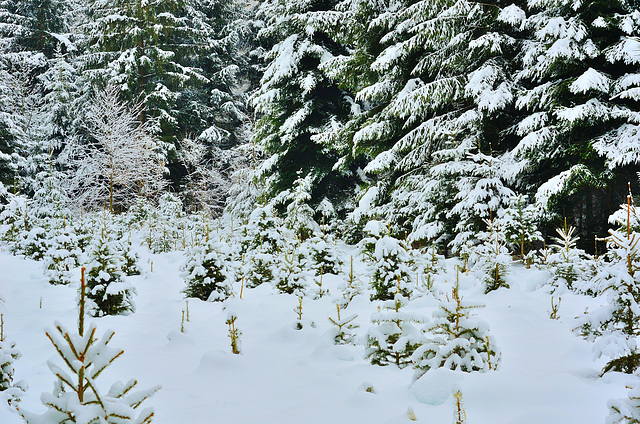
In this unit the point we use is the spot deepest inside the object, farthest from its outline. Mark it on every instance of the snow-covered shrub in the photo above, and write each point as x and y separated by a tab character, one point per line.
389	263
393	337
459	342
109	292
491	258
615	326
207	271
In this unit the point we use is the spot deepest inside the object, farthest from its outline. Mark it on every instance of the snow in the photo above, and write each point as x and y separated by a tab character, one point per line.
285	375
591	80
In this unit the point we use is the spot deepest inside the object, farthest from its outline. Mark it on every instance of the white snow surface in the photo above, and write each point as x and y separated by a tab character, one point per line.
284	375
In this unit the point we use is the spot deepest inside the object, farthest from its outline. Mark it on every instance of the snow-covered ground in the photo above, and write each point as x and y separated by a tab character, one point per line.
284	375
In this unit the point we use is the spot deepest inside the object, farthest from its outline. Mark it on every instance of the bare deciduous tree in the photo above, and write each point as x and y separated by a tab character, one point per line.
118	160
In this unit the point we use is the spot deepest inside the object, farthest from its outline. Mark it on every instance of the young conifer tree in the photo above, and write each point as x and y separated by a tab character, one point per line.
389	262
8	354
460	343
107	289
615	326
567	263
625	411
393	337
491	258
77	398
207	271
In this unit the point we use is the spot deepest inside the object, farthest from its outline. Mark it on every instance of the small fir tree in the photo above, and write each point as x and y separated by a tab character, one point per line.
626	410
325	257
207	271
615	326
491	258
521	228
350	287
460	343
299	214
292	274
129	259
393	337
566	262
8	354
234	333
261	268
62	256
343	326
76	397
109	292
389	263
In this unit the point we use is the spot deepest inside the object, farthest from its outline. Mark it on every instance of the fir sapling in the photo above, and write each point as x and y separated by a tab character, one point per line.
8	354
429	264
129	259
491	258
324	255
389	263
77	397
393	337
626	410
521	228
62	256
299	216
261	267
615	326
109	292
343	326
567	264
458	342
350	286
293	272
208	271
234	333
298	311
459	414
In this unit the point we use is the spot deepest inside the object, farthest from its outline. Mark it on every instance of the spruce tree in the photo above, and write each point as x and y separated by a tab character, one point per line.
297	102
146	49
434	96
576	72
389	263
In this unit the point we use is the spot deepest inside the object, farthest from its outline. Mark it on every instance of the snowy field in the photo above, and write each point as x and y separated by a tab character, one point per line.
284	375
